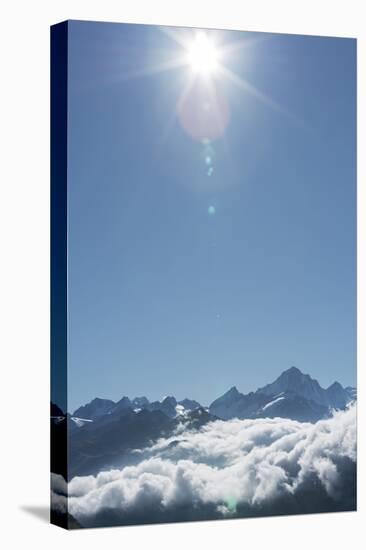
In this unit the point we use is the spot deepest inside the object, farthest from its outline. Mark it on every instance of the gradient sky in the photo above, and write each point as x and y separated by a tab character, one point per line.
186	283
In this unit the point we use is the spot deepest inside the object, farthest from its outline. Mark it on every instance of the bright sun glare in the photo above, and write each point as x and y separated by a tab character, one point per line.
202	56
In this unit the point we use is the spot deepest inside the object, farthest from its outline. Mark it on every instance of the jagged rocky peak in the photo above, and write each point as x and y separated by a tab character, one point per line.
124	400
140	401
335	385
293	375
294	381
189	404
96	407
169	400
232	394
122	405
293	371
293	395
337	395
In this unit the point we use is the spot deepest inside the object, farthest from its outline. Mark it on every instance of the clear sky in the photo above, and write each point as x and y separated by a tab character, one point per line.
197	266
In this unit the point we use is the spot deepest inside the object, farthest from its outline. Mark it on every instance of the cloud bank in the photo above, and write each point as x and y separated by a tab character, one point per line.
235	468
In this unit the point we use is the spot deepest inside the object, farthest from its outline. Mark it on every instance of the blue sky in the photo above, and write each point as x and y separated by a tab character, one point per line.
188	275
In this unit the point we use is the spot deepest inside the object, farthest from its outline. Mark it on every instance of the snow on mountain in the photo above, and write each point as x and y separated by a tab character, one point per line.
140	402
172	408
80	422
180	410
167	405
234	404
189	404
292	395
98	409
351	392
295	382
271	403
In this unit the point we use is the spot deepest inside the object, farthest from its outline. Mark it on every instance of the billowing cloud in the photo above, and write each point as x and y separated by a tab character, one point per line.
227	469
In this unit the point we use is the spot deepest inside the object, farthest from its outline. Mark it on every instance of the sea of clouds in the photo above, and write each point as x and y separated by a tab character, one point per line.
231	468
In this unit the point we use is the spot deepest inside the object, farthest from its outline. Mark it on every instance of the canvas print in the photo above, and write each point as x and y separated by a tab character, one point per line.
203	274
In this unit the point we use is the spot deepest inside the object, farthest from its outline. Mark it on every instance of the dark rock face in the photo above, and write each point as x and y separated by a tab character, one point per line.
94	409
106	444
189	404
103	445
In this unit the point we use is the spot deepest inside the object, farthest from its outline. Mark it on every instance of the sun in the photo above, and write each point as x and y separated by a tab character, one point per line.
202	55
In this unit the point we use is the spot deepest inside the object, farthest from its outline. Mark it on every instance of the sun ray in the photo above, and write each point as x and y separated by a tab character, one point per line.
152	70
180	35
204	53
252	90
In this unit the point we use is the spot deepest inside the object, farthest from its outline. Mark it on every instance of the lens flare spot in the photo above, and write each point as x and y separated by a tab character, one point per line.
211	210
231	504
204	113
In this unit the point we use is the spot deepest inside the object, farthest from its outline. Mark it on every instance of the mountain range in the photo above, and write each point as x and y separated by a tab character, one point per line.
101	407
104	433
292	395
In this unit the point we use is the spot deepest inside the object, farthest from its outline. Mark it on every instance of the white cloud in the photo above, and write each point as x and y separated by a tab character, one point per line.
224	465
